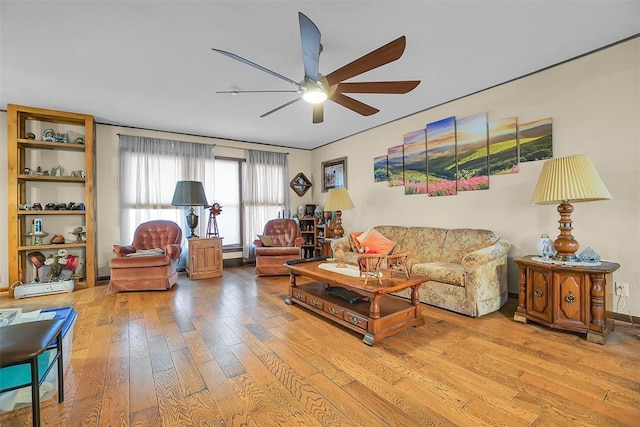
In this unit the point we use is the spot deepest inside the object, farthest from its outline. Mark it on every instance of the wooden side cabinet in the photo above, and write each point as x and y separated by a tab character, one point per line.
570	298
205	258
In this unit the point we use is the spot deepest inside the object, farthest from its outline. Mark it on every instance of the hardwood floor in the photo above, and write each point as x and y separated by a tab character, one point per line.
228	351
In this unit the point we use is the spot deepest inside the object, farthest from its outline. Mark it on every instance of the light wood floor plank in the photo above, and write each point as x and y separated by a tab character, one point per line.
171	402
229	352
141	386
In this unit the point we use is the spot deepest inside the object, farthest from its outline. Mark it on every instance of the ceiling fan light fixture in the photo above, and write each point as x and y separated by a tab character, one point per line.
314	96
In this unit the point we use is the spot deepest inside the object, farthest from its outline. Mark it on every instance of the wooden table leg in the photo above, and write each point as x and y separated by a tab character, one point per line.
598	326
374	311
293	284
521	311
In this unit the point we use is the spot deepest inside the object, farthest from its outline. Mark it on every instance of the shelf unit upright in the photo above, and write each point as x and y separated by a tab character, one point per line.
27	188
308	233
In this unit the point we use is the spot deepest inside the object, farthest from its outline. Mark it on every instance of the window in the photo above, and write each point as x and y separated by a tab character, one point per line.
227	193
149	170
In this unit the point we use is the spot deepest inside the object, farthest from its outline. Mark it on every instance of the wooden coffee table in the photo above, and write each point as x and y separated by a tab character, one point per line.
377	315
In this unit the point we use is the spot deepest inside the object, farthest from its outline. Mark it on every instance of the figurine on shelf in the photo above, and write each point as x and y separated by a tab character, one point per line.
80	235
49	135
57	171
57	239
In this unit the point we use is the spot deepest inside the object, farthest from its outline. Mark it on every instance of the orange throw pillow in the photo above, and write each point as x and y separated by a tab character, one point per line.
354	240
375	242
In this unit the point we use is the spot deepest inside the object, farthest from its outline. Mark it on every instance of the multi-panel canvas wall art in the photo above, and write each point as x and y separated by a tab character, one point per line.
395	165
415	162
472	153
441	157
503	146
535	140
380	172
452	155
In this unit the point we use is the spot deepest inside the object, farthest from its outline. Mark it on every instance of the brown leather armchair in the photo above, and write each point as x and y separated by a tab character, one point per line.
142	266
286	235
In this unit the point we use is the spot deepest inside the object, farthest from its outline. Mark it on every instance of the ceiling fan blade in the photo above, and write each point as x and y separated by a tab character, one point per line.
235	92
353	104
310	37
318	112
280	107
381	56
378	87
253	64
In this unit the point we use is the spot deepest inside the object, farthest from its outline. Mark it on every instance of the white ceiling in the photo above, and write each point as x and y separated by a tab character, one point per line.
149	64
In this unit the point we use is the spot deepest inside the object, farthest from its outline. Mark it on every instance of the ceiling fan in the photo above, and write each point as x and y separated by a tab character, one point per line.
316	88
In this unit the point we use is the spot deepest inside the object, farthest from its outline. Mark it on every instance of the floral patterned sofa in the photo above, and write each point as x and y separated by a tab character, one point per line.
467	267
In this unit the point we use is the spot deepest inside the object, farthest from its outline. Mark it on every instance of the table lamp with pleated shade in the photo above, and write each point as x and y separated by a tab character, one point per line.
566	180
338	200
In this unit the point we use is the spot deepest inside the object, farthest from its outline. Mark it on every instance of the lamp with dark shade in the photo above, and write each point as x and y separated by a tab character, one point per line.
567	180
190	193
338	200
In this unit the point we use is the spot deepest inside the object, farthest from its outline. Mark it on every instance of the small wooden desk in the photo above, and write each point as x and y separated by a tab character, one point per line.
567	297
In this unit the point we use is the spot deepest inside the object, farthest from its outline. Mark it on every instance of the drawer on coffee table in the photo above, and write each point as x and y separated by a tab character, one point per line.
298	295
334	310
315	302
356	319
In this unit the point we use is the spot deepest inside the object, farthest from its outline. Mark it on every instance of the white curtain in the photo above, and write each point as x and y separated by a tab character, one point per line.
149	170
265	192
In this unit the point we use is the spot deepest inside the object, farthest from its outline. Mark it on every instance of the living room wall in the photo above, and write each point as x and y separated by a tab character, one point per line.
594	103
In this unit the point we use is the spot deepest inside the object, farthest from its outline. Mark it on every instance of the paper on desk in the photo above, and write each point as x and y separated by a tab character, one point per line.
15	316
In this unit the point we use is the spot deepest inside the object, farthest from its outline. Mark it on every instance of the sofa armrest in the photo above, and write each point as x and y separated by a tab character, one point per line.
483	256
341	243
123	250
173	251
299	241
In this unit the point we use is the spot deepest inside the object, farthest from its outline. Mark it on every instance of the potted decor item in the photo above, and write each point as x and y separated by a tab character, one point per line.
58	263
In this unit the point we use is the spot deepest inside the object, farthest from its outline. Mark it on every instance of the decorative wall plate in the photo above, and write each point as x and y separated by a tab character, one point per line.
300	184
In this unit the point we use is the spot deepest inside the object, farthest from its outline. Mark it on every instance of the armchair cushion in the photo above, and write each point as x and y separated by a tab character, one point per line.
266	240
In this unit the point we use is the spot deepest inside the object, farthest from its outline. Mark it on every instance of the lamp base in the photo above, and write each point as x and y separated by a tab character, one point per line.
565	245
192	223
338	231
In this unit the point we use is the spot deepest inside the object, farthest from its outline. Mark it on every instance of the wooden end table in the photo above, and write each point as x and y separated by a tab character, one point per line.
568	297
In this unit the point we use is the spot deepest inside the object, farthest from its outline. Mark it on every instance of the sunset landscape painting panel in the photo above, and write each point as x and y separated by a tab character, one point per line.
472	153
535	140
395	164
415	168
416	136
441	157
503	146
380	173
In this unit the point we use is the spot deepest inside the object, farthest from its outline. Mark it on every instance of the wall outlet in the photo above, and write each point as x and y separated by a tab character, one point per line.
622	289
